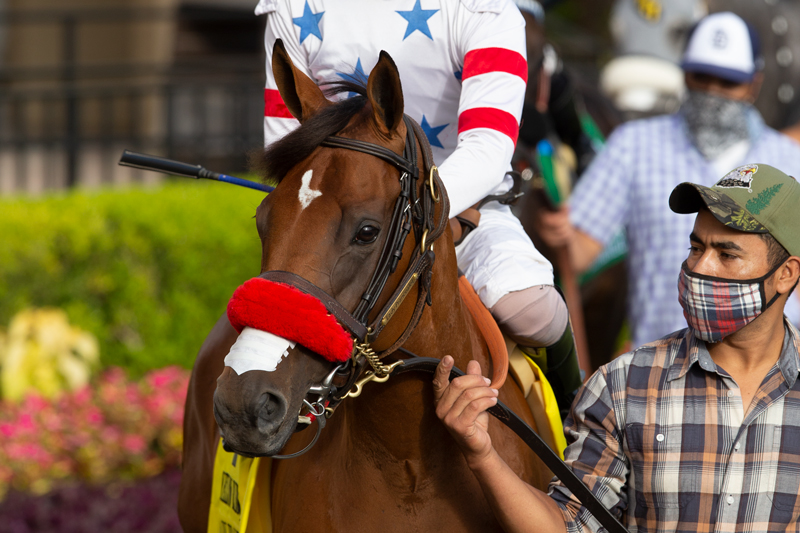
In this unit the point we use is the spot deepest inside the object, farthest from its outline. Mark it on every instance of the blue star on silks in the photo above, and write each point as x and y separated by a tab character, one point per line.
357	76
432	133
458	75
417	20
309	23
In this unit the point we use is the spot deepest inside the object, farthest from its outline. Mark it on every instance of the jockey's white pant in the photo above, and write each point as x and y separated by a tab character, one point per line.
498	257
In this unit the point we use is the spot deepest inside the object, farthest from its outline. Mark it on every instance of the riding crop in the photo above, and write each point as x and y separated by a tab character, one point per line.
177	168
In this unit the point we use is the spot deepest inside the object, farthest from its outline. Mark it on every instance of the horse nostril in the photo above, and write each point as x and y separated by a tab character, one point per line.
221	411
270	412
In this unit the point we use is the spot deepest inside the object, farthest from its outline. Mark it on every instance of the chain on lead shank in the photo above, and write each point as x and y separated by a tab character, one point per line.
363	349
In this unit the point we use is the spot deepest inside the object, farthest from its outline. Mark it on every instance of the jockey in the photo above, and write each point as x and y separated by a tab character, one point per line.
463	69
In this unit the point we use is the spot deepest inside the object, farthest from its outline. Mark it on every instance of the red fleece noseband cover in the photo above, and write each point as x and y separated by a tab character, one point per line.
289	313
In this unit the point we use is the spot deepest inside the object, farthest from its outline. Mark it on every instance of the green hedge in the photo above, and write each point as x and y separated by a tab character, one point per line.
148	271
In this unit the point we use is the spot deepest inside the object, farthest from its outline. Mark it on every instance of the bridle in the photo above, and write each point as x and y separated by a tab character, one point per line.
414	210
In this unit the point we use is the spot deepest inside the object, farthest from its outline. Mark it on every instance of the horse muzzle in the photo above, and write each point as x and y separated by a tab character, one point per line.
252	418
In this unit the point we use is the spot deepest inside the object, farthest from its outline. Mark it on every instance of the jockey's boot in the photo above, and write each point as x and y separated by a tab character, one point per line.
537	320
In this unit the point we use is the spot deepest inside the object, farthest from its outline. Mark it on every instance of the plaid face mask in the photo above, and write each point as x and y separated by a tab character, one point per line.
716	307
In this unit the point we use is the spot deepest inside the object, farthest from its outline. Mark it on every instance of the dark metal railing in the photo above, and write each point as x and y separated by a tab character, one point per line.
69	116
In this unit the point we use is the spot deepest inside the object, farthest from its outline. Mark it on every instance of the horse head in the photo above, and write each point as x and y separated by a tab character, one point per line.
332	226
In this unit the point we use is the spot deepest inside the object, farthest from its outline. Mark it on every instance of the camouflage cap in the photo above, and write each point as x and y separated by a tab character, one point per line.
752	198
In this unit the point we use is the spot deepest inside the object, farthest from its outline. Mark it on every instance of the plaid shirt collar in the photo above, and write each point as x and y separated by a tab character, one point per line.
693	351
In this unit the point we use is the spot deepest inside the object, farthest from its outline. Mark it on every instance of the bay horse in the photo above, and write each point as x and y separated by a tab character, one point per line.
384	462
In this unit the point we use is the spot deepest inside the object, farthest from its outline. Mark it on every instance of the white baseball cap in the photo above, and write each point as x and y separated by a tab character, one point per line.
723	45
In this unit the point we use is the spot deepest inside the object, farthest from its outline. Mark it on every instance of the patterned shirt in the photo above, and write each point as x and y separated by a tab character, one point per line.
660	435
629	184
462	65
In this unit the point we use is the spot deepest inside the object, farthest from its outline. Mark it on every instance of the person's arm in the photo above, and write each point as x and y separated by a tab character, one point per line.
556	230
277	120
491	44
594	431
462	405
600	203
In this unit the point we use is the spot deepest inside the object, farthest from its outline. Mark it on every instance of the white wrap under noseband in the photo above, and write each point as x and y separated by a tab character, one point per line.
257	350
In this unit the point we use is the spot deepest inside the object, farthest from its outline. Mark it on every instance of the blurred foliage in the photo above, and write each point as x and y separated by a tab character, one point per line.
43	353
147	271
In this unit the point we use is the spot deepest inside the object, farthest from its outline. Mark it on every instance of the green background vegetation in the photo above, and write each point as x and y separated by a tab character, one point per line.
147	271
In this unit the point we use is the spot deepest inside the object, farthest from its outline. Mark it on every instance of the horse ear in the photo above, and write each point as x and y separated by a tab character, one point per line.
300	94
385	94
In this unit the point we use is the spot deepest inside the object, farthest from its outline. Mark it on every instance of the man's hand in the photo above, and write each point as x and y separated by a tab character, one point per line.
554	227
461	405
556	230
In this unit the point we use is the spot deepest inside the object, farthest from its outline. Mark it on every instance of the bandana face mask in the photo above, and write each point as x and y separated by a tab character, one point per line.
715	123
716	307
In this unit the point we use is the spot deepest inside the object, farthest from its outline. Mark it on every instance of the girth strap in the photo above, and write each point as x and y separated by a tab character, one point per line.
528	435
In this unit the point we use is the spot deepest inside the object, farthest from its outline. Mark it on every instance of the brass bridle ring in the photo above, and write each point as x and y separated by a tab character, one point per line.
431	185
422	241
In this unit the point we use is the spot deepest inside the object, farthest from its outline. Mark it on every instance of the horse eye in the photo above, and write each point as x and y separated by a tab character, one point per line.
366	235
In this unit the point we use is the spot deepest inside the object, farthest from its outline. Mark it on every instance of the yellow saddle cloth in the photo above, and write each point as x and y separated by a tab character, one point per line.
238	503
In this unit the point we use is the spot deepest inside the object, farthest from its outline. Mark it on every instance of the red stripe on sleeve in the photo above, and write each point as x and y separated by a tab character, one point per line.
485	60
274	106
489	117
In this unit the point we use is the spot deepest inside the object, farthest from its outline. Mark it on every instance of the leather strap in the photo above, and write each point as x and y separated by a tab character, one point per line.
528	435
334	141
422	299
420	265
489	330
335	308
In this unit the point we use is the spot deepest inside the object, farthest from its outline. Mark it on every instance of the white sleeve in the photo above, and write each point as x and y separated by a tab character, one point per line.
491	42
277	119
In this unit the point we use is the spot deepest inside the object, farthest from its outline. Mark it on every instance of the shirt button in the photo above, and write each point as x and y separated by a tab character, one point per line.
730	393
660	437
730	499
736	448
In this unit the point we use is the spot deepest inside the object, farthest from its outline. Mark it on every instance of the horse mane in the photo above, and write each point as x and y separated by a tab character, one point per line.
275	161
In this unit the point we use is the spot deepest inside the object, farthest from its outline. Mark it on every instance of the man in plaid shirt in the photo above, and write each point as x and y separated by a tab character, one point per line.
700	430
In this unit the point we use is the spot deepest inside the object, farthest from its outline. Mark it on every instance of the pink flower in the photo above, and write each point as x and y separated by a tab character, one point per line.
94	416
97	433
82	395
134	443
26	422
35	403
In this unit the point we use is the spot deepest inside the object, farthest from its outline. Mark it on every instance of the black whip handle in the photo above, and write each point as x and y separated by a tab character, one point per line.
162	164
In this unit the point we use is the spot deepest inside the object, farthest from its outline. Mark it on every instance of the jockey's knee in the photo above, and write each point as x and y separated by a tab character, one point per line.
534	317
537	319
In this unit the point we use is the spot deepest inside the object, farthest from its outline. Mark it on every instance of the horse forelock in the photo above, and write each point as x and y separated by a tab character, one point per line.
283	155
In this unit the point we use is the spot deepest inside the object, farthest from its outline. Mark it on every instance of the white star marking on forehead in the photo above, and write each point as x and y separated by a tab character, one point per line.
306	194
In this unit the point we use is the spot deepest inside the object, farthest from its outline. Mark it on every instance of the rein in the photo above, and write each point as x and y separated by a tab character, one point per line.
516	424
